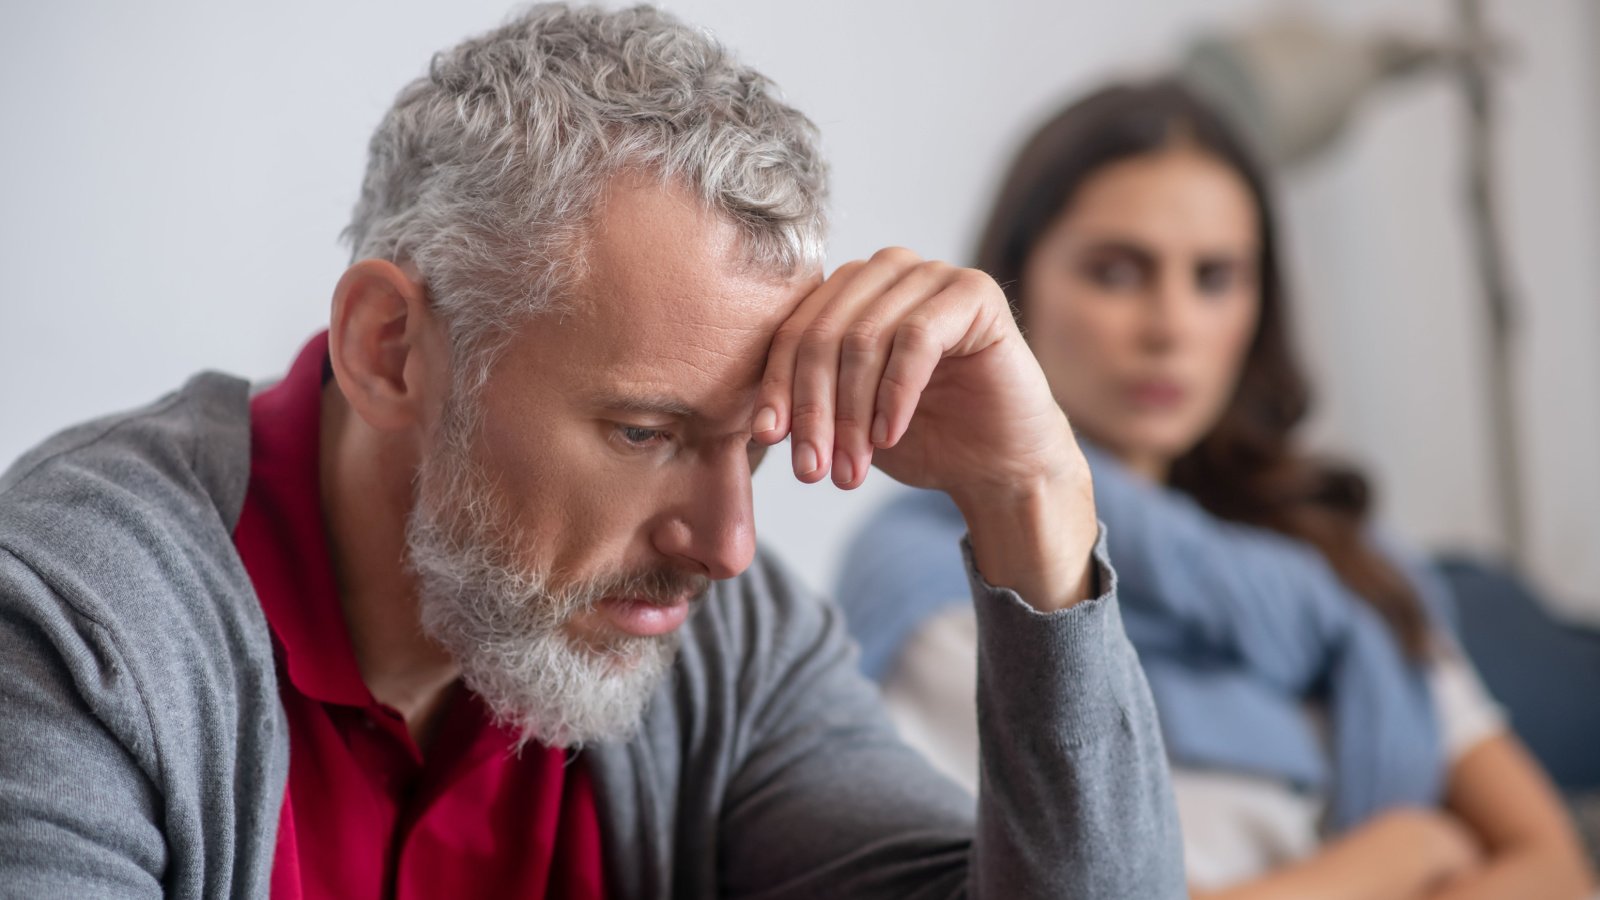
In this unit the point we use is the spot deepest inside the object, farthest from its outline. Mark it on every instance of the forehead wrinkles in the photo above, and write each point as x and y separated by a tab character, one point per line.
712	371
668	304
700	349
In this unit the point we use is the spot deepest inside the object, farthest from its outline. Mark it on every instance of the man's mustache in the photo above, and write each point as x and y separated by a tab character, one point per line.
657	586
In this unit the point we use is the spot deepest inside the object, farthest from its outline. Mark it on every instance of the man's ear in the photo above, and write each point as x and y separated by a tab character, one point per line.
385	345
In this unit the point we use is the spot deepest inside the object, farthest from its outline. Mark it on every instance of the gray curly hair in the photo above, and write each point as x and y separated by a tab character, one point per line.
485	173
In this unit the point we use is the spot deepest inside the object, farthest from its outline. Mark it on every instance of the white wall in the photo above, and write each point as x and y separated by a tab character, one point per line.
173	176
1390	308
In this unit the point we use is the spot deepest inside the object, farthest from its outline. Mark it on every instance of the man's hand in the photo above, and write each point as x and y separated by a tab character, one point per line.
918	367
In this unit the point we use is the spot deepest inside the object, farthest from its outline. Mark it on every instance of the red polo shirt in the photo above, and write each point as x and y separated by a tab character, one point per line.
366	815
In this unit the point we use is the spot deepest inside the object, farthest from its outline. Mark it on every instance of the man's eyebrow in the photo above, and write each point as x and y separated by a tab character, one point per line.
645	404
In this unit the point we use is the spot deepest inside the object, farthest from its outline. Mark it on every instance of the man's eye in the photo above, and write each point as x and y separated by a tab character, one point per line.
635	436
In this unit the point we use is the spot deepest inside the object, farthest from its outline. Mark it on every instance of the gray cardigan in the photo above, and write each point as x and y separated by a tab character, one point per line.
143	750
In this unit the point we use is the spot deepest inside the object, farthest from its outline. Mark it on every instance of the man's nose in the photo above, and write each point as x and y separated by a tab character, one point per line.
711	530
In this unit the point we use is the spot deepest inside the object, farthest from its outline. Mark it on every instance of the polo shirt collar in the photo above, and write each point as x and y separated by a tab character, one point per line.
283	540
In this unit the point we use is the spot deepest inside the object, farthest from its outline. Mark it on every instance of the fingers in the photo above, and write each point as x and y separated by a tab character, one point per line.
844	374
774	401
801	386
865	353
923	339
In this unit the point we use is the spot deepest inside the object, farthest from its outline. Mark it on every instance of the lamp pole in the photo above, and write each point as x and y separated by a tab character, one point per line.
1498	297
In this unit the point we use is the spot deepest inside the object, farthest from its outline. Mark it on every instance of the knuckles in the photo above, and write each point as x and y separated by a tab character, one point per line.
978	281
915	334
830	334
808	416
863	338
896	256
818	335
787	336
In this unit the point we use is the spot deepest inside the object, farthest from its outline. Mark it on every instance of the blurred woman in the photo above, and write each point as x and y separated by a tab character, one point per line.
1327	737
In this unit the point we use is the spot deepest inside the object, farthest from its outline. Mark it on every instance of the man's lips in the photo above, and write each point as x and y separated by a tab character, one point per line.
644	618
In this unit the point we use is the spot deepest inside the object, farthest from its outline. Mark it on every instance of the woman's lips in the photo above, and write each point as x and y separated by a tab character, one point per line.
644	618
1156	394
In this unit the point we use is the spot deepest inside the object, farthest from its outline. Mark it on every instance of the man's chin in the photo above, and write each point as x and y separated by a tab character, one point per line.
609	664
619	651
587	693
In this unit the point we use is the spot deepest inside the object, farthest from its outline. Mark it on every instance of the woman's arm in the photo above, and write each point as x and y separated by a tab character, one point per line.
1400	855
1509	803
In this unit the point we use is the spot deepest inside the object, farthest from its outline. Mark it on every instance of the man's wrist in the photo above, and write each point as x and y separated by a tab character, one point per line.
1035	538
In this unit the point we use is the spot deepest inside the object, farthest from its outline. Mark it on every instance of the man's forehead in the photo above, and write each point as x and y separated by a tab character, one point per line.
668	304
680	311
656	249
692	360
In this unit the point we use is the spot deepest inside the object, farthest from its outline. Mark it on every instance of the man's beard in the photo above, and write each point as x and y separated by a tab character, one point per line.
506	625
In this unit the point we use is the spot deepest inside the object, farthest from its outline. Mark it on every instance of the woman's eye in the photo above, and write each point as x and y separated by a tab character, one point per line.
1115	274
1216	278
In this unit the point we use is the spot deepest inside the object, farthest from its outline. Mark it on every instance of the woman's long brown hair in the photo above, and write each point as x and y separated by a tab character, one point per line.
1247	468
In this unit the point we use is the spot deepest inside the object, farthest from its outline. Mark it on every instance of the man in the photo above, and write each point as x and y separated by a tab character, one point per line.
469	604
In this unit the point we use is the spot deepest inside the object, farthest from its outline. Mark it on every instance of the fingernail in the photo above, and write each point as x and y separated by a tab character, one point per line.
766	420
880	428
842	473
805	459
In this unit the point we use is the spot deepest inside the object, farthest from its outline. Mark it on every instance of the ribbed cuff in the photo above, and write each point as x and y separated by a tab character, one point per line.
1052	671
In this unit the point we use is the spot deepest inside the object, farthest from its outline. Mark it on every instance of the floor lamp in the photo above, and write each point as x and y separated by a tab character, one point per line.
1295	82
